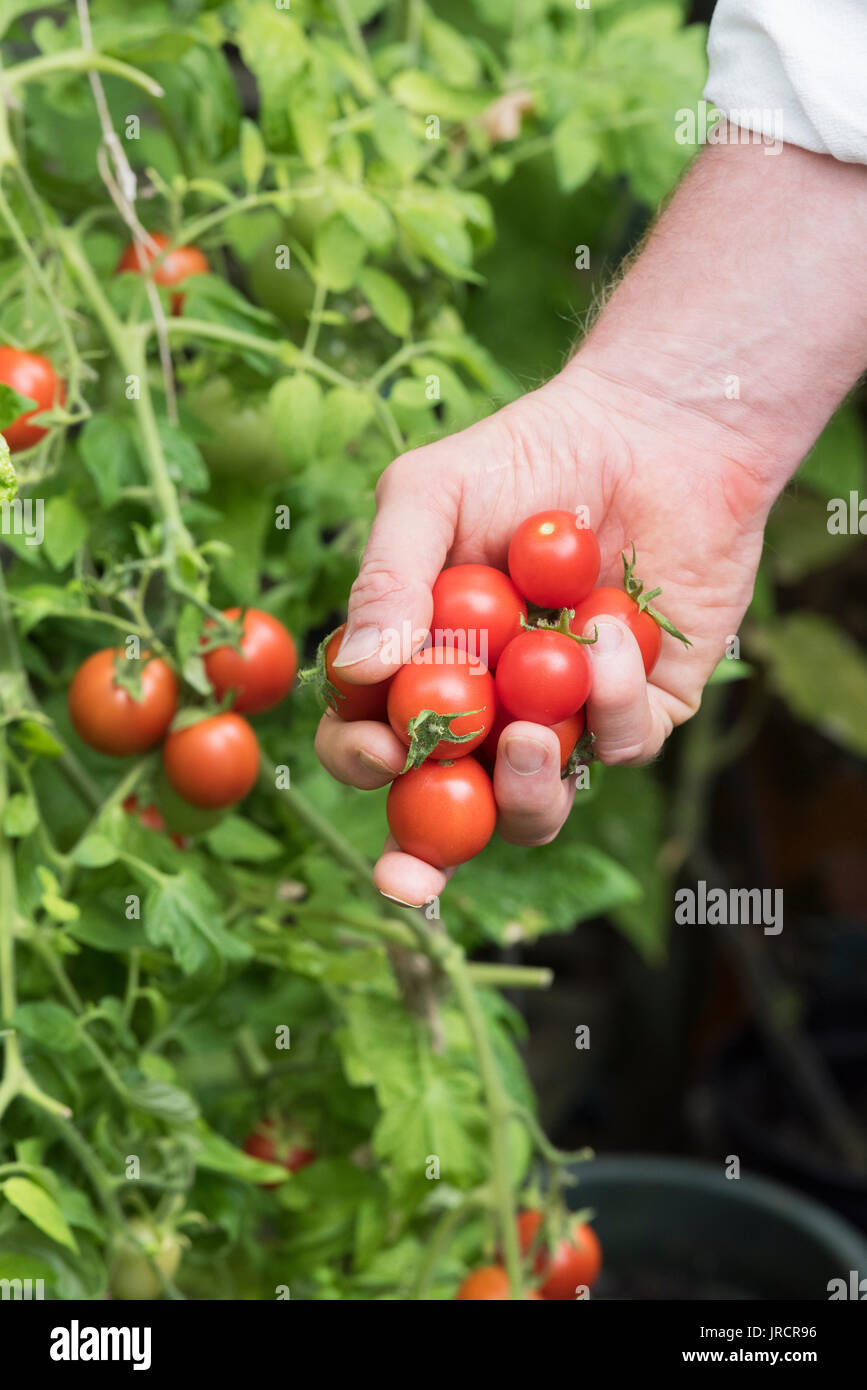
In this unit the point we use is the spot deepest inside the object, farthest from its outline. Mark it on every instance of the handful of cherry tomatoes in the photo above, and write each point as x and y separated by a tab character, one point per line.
485	665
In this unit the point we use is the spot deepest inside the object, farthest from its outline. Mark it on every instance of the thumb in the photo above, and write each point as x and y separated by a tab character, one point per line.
390	604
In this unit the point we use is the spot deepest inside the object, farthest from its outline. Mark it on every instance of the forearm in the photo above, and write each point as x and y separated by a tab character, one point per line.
747	306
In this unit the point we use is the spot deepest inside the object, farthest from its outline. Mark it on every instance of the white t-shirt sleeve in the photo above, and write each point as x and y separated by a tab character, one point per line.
794	70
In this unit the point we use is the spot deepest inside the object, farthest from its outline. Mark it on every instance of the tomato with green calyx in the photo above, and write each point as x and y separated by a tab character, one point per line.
554	559
32	376
441	704
488	1284
443	813
122	706
262	672
275	1143
348	699
568	732
177	265
476	607
633	607
575	1263
212	763
544	676
144	1252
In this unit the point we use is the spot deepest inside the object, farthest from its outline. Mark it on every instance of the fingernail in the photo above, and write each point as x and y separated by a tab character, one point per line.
403	902
525	755
610	637
376	764
358	646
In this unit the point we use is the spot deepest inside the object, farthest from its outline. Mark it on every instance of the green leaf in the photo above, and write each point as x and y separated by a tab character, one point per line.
40	1208
346	413
52	1025
395	140
183	460
295	408
21	815
95	852
434	228
426	95
162	1100
252	154
36	738
450	52
219	1156
183	914
65	531
520	893
339	252
239	840
820	673
576	153
388	300
108	449
370	218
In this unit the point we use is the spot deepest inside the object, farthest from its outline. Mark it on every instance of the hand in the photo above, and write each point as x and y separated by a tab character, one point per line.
648	472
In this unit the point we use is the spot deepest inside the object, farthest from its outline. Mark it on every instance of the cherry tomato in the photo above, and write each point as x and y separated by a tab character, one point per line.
543	676
488	1284
554	560
478	608
143	1250
568	732
616	603
263	670
33	376
353	702
268	1144
108	718
576	1261
443	813
178	265
445	681
213	763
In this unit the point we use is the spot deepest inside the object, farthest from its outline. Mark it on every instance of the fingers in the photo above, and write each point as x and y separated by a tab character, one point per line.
532	798
406	879
363	754
630	726
390	603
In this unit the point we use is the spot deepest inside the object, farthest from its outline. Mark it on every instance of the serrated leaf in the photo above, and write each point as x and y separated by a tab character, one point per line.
238	841
94	852
370	217
576	153
339	252
161	1099
51	1025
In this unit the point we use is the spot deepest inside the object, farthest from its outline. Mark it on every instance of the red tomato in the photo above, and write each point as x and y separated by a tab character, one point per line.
576	1261
488	1284
33	376
266	1143
108	718
443	813
477	608
445	681
353	702
616	603
568	732
544	676
178	265
213	763
264	669
554	560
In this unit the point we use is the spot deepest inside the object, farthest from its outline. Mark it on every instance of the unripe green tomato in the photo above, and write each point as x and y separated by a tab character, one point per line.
132	1275
242	433
286	292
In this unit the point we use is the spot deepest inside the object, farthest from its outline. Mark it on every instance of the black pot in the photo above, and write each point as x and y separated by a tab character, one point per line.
759	1118
674	1228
